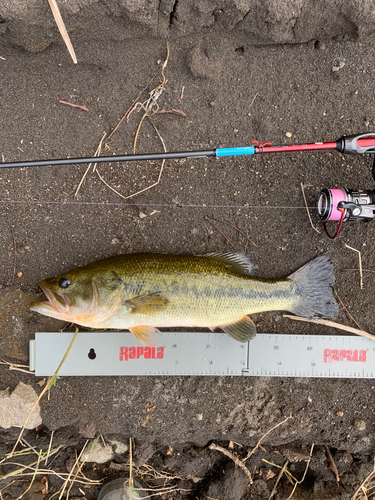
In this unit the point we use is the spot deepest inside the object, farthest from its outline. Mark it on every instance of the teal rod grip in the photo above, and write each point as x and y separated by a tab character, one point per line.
250	150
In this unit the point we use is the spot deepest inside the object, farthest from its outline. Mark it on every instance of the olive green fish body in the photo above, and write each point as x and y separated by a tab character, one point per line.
142	292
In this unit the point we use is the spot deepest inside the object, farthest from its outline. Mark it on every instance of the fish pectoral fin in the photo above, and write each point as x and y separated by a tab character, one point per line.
147	304
145	334
243	330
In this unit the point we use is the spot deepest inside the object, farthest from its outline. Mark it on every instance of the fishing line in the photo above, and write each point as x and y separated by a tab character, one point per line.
159	205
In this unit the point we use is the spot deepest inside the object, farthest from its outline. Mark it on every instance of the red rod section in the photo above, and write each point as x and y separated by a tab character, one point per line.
370	141
296	147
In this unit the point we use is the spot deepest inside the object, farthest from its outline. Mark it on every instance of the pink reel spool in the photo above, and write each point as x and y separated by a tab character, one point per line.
337	196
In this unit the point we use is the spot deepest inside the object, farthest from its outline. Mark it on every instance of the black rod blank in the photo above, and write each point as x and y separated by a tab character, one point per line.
108	159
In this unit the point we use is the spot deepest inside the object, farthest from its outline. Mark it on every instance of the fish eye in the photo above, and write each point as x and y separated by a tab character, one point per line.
64	282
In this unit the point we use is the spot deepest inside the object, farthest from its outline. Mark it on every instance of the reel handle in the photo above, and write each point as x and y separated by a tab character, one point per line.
349	144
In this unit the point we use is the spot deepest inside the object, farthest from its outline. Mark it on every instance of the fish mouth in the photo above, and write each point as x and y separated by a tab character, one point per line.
57	304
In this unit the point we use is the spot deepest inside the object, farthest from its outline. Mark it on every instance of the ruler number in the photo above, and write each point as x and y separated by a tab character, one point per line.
309	348
275	347
313	364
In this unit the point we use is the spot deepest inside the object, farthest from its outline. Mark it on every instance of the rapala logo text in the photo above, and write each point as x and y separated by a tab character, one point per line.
127	353
331	355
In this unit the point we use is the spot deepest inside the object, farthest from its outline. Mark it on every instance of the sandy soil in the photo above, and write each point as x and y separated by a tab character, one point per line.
231	94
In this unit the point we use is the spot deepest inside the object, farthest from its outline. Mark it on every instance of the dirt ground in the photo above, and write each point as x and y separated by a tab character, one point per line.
231	93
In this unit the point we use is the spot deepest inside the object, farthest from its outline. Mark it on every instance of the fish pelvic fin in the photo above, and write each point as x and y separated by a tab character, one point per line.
145	334
238	261
242	331
147	304
314	288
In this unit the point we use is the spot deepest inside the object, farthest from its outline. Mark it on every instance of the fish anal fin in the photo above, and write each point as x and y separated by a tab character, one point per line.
147	304
145	334
238	261
242	331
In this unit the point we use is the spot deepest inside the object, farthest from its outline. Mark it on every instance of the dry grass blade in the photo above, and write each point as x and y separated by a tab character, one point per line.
264	436
332	324
50	381
60	24
331	463
361	488
346	310
307	209
233	457
360	261
131	107
78	469
173	111
97	153
14	366
33	478
142	190
283	469
49	449
131	468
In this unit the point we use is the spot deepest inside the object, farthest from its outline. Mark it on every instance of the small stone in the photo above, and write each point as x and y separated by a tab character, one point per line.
19	274
99	454
200	416
289	134
119	446
142	215
339	413
340	65
15	407
366	123
208	53
359	425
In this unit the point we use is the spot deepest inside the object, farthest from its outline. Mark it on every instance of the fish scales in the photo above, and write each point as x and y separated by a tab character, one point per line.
142	292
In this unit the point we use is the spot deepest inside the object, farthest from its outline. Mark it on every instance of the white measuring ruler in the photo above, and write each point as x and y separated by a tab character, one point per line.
201	353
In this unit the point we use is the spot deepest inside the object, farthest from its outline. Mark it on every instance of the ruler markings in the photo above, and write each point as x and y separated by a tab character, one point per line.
187	353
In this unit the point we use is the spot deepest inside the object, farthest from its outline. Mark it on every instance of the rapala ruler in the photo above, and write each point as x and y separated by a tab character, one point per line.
197	353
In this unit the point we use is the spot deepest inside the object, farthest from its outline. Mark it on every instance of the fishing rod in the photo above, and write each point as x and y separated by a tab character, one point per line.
354	144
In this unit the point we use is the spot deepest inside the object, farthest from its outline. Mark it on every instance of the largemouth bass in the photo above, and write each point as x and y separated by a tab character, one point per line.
141	292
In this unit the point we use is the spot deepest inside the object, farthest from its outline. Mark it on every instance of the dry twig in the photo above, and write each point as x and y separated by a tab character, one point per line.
332	324
73	105
234	227
221	232
233	457
15	255
360	261
60	24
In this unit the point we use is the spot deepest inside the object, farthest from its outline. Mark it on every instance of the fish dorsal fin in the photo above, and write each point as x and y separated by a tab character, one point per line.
145	334
243	330
147	304
238	261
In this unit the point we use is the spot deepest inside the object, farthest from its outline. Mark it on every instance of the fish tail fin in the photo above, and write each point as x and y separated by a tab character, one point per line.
314	287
